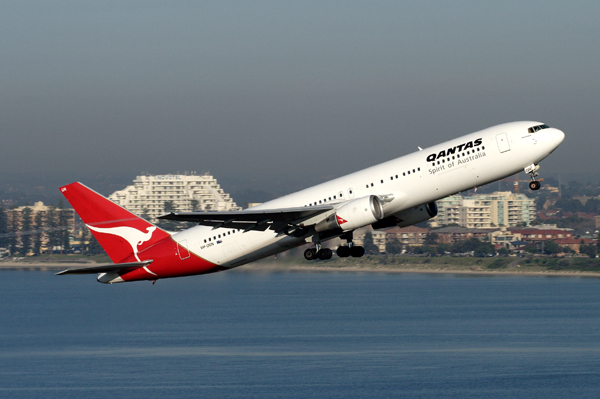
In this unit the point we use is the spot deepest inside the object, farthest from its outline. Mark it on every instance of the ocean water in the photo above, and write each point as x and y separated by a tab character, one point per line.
300	335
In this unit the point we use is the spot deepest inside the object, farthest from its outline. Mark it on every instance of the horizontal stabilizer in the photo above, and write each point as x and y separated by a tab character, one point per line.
115	267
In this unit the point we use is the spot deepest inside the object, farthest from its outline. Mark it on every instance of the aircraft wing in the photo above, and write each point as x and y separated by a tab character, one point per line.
260	219
115	267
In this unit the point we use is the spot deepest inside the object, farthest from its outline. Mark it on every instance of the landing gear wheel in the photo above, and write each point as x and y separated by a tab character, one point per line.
357	252
343	251
534	185
324	254
310	254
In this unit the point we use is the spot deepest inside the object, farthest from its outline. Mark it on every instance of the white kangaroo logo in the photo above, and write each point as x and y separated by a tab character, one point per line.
133	236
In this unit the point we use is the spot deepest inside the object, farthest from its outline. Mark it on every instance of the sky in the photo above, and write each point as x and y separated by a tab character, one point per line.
277	96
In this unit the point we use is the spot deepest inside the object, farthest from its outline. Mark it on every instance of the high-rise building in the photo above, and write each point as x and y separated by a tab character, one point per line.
501	208
154	195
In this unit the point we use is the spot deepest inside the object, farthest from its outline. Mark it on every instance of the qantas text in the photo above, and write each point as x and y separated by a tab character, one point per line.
453	150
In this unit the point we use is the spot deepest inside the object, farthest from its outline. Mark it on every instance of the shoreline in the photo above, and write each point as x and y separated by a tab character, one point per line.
276	267
407	269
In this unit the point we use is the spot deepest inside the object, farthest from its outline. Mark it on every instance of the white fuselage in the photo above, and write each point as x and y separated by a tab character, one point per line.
411	180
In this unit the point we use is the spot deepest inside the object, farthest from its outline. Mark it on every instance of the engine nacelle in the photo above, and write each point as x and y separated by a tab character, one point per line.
353	215
409	217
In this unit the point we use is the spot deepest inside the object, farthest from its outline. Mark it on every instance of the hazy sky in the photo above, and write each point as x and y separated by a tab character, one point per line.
285	92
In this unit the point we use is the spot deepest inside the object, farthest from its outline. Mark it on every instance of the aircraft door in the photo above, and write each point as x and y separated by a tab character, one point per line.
182	250
502	141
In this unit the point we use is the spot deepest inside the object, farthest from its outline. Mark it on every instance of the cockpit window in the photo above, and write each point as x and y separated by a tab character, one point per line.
537	128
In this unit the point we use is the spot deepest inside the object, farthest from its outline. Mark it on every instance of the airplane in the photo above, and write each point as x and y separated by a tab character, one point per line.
400	192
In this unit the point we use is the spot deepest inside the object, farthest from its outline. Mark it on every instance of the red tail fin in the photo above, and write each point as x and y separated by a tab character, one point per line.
120	232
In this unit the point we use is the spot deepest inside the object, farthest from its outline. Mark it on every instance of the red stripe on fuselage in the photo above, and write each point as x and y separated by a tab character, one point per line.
167	263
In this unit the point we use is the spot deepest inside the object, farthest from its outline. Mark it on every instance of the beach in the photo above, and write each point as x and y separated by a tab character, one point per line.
370	264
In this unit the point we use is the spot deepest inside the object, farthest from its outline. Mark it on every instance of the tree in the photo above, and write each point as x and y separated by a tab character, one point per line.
51	221
64	235
589	250
592	206
3	228
569	205
551	247
442	249
429	250
431	239
37	237
567	250
95	248
465	246
369	245
145	214
532	249
25	230
393	246
83	237
484	249
13	231
168	207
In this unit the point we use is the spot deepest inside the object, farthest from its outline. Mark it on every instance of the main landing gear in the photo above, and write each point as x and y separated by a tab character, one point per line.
355	251
313	254
349	249
343	251
318	253
532	169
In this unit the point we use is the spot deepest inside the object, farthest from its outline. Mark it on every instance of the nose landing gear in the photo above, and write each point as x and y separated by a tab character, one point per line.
534	185
531	170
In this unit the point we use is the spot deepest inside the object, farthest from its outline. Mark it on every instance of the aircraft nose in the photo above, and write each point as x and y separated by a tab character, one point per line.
558	136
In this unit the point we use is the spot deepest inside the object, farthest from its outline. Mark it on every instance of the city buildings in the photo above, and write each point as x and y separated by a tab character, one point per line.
153	195
34	229
501	208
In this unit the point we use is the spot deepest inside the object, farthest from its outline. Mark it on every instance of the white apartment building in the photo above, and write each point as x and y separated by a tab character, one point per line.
501	208
188	193
449	210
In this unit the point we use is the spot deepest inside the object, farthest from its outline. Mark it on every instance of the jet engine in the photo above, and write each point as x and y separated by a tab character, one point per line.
354	214
409	217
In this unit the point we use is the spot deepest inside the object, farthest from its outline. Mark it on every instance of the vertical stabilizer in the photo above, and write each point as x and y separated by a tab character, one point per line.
120	232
